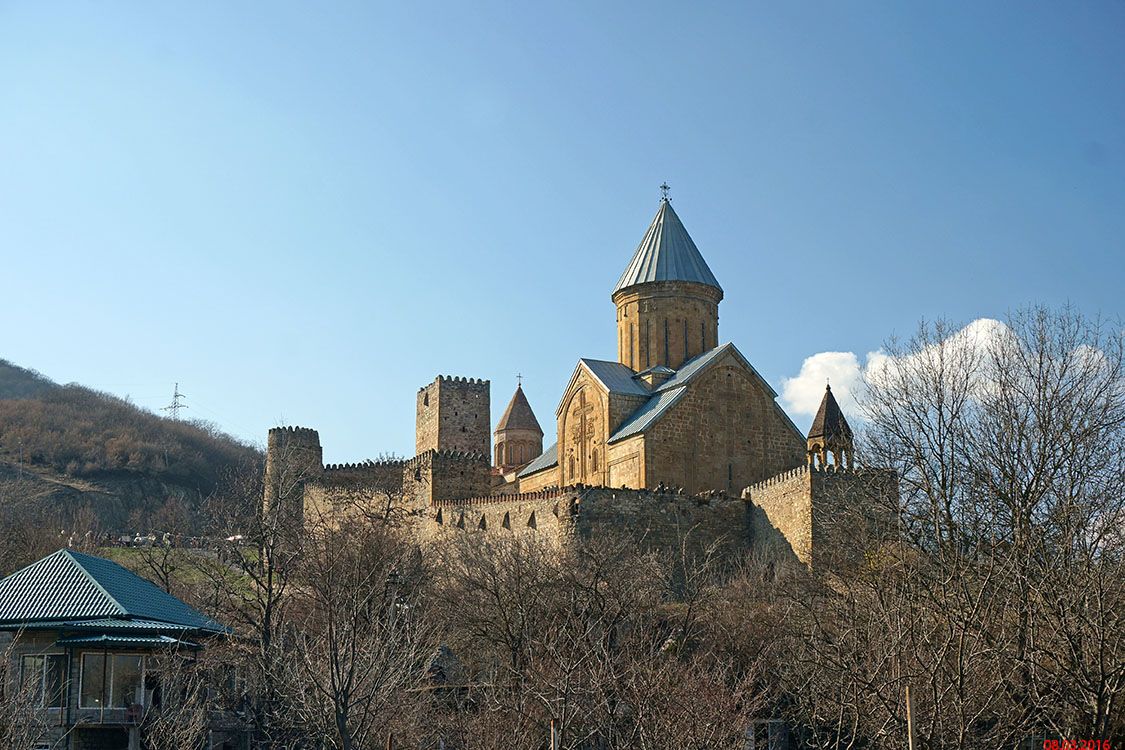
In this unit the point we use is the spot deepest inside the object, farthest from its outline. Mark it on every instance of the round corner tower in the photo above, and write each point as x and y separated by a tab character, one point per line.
293	458
667	300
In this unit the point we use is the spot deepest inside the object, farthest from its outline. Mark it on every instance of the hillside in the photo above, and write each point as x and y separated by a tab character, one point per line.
65	447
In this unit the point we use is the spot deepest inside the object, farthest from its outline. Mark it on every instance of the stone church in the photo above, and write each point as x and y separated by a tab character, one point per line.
680	429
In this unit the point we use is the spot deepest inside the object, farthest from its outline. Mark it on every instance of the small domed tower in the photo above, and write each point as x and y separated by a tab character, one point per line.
519	438
830	435
667	300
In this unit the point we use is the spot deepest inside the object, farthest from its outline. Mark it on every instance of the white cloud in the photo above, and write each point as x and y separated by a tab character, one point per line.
803	393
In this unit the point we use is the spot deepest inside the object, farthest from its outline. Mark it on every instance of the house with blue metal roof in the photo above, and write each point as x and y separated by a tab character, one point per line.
84	632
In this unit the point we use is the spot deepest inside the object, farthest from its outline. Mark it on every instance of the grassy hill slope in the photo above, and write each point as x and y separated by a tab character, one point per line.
63	447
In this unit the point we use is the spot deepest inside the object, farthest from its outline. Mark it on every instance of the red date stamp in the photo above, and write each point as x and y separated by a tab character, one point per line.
1076	745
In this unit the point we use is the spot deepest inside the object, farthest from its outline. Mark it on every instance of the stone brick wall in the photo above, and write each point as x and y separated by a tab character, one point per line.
725	433
666	323
343	489
445	475
826	518
656	520
546	515
785	524
540	480
852	510
452	414
627	462
293	459
583	430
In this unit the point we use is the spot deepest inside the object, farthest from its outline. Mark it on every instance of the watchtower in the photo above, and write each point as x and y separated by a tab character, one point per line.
453	415
293	458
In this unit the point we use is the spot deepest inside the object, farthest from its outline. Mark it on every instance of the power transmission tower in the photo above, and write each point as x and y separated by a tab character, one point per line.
177	403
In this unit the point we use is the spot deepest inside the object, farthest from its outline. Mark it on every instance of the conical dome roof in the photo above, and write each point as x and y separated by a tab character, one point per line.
667	253
518	415
829	422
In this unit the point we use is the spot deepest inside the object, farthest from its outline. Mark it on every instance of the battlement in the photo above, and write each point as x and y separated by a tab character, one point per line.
785	476
521	497
397	463
431	455
290	435
456	379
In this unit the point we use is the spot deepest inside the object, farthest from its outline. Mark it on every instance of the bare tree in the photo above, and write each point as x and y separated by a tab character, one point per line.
22	723
1001	604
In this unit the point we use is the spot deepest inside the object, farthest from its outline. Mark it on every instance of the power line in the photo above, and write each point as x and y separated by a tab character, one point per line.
177	403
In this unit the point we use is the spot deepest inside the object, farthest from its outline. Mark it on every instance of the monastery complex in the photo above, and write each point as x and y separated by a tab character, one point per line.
679	434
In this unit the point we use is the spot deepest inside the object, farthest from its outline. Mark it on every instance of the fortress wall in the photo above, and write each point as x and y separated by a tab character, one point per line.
851	511
656	520
786	517
664	520
545	515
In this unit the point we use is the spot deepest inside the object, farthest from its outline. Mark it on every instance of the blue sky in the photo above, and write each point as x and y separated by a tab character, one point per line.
304	212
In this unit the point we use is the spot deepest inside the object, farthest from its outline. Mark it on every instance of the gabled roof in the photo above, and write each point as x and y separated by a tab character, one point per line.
518	415
546	460
829	422
668	393
653	409
614	377
666	253
68	587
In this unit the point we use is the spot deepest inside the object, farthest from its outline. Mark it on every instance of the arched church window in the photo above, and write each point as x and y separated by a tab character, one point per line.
572	465
593	461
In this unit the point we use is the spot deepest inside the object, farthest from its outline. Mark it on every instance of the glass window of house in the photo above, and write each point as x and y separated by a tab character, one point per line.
93	681
44	676
127	680
54	680
31	677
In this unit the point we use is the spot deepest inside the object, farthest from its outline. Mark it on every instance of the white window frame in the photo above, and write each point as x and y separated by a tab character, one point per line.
107	696
43	677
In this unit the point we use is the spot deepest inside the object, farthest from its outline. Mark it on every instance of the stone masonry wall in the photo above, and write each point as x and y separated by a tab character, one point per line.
666	323
852	510
725	433
656	520
785	521
452	414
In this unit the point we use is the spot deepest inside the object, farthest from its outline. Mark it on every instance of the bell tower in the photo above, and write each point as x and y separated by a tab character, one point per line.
830	436
667	300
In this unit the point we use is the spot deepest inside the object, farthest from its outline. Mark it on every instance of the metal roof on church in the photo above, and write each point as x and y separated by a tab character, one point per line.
667	253
644	417
616	377
546	460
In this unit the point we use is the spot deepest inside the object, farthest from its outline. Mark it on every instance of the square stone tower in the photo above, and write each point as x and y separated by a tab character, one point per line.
453	415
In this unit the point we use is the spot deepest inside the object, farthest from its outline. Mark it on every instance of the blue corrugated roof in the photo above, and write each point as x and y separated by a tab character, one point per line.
667	253
653	410
546	460
670	391
616	377
72	586
698	364
123	641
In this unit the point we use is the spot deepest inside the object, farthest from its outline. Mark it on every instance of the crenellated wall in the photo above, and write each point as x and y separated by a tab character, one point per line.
826	517
452	414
